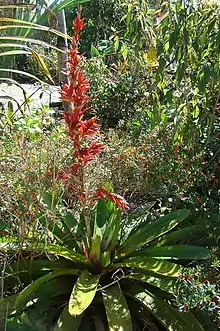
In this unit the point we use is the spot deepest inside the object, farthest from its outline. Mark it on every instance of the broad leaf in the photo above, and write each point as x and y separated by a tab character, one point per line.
67	322
49	248
150	264
116	308
164	283
180	252
169	317
111	233
28	293
98	230
179	235
83	293
145	235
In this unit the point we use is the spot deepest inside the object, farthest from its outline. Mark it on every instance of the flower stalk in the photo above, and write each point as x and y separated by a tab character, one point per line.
80	131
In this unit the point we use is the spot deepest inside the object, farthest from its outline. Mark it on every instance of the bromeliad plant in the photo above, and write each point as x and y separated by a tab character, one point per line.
96	274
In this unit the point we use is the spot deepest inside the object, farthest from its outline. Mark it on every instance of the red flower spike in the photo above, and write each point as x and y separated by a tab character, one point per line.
76	94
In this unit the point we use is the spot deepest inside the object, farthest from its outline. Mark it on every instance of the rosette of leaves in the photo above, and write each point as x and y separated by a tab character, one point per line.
122	279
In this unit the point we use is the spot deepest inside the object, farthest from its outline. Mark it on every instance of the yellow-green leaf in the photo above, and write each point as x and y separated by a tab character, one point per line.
116	308
83	293
42	65
148	263
152	57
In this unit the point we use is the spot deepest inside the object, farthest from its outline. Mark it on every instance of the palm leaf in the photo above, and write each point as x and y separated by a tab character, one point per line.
43	65
83	293
116	308
22	73
15	52
29	40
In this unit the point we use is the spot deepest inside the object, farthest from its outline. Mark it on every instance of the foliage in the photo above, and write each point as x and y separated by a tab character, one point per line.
27	19
184	88
194	291
117	92
89	268
109	261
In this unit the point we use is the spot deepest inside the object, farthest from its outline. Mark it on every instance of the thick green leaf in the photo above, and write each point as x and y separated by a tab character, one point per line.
31	266
69	3
111	233
179	235
145	235
27	294
164	283
168	316
116	308
101	213
67	322
98	231
176	252
49	248
83	293
150	264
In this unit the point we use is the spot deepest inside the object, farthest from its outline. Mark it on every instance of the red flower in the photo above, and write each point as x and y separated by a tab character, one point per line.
115	198
78	25
87	154
87	127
